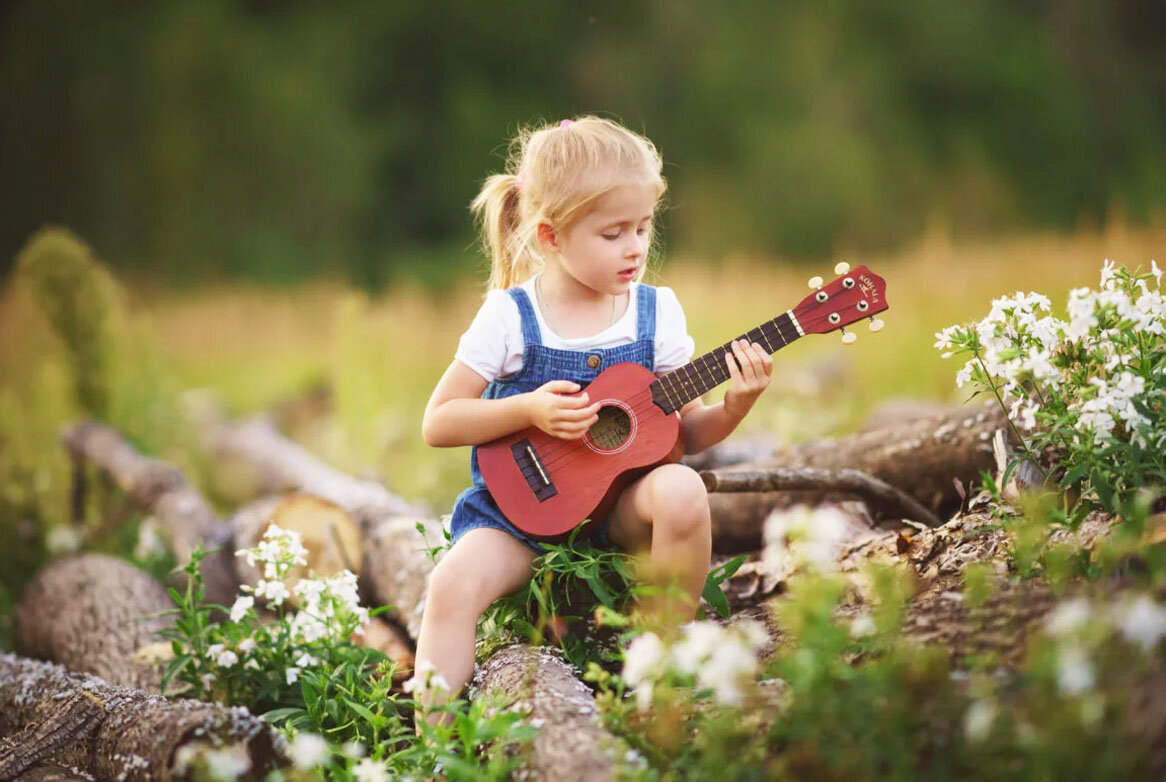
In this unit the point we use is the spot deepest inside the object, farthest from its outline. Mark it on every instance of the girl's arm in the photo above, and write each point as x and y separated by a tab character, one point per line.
706	425
456	415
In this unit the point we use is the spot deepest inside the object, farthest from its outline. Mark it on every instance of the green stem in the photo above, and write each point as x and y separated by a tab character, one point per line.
1004	407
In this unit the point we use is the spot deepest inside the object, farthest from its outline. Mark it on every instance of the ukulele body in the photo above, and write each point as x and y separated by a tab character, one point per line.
546	485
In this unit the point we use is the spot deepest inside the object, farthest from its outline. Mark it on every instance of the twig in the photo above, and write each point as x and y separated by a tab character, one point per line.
878	493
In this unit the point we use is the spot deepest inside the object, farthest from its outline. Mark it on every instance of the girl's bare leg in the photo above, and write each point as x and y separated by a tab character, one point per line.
665	516
483	565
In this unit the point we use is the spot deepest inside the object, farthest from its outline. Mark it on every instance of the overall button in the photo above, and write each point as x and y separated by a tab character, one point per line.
593	361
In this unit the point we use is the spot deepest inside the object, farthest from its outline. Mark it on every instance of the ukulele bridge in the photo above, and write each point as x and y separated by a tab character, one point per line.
533	470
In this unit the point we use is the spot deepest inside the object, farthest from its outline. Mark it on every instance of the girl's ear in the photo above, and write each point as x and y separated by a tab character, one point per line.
547	237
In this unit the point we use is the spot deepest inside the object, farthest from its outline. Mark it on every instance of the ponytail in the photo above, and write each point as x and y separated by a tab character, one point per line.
497	213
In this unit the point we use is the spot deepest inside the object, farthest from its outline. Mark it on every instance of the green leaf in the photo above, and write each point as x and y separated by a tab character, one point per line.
276	716
716	598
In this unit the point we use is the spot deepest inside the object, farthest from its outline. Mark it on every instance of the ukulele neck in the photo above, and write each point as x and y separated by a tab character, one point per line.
704	373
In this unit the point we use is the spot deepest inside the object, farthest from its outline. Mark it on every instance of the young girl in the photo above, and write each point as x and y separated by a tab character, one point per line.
568	231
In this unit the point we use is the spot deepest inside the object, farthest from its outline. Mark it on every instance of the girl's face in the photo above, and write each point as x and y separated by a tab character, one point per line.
606	248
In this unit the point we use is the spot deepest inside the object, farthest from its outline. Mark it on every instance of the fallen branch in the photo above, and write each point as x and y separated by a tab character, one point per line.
160	488
879	495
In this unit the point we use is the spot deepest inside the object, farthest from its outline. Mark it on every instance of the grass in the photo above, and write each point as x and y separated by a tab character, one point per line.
256	348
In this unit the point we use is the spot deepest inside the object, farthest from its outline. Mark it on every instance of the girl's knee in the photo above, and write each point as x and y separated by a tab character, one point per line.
453	591
679	498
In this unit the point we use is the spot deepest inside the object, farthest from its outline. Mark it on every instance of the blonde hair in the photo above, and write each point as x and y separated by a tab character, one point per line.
554	173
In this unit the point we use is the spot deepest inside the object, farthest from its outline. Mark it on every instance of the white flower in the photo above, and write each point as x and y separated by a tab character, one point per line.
1107	274
369	770
642	658
227	658
275	592
1143	622
308	750
1156	272
242	605
150	543
62	539
731	664
246	645
353	749
292	675
1068	617
862	626
801	535
425	679
1028	416
228	762
1074	671
700	640
306	660
978	720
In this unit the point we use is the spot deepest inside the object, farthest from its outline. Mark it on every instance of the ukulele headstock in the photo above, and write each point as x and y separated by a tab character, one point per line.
856	294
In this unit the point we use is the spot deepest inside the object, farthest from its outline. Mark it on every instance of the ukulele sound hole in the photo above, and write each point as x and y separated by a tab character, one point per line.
612	429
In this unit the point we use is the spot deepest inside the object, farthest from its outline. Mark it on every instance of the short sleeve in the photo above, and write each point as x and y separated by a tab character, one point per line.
486	344
674	347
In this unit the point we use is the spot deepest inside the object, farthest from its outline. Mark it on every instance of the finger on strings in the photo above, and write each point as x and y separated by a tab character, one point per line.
734	372
746	364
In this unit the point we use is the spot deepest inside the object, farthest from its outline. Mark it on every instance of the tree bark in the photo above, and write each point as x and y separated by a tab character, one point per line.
571	744
160	488
131	735
921	458
92	613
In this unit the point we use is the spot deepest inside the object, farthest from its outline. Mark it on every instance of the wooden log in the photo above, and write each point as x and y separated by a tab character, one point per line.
159	487
921	458
134	735
282	465
93	613
328	532
571	744
52	772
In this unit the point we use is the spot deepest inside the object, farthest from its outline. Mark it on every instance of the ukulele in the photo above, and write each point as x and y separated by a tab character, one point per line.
546	485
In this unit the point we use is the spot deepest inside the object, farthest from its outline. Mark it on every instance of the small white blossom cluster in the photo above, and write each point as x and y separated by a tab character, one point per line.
328	611
1088	369
1140	621
803	536
425	679
720	658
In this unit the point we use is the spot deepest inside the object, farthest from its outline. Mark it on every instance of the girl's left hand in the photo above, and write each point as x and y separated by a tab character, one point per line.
749	379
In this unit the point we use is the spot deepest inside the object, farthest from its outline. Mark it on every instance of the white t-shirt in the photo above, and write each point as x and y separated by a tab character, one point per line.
492	345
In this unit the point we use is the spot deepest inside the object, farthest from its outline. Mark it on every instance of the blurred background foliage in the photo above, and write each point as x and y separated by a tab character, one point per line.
276	141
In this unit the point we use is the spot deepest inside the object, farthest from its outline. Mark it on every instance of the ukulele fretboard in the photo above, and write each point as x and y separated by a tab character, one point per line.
707	371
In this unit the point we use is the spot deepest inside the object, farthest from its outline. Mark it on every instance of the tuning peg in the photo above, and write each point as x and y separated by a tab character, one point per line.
876	324
815	283
848	337
841	267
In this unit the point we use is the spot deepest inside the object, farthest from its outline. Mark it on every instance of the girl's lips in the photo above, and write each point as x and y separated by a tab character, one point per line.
628	273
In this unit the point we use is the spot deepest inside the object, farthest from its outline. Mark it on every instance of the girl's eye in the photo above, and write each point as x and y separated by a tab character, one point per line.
610	236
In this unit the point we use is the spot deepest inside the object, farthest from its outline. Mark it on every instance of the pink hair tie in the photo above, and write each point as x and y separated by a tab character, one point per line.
517	183
564	123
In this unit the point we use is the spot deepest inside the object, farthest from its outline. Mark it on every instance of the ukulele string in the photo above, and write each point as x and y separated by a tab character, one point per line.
570	448
563	454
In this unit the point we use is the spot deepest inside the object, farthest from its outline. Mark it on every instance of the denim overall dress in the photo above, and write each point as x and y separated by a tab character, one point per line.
475	507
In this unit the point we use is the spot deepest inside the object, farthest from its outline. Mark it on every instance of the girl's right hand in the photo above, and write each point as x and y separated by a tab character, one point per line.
559	415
